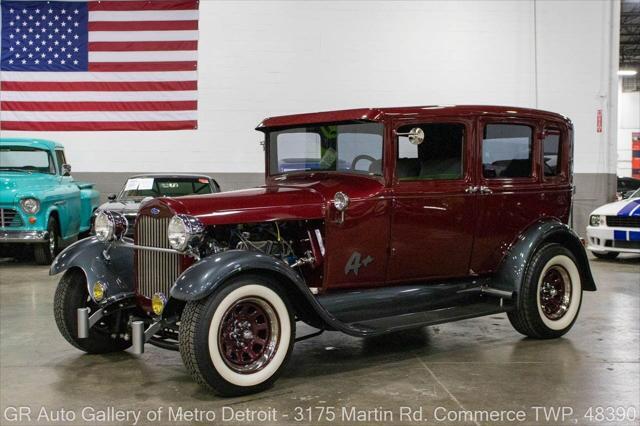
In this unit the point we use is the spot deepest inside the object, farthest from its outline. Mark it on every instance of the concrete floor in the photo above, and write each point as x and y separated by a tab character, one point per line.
479	364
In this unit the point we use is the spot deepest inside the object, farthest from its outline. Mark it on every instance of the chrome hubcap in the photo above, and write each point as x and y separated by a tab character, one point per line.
52	242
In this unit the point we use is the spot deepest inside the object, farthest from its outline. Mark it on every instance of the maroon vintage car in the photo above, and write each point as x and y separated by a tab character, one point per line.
370	221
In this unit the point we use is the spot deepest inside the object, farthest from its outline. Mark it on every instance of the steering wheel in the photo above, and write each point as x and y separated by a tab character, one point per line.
362	157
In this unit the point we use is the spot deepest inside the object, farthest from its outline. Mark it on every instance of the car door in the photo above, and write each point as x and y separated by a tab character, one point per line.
434	206
510	193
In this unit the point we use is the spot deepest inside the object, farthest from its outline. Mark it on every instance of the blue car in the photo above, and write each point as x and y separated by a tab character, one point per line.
41	206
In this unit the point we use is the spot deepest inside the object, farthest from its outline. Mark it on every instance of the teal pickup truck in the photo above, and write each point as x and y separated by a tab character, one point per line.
41	205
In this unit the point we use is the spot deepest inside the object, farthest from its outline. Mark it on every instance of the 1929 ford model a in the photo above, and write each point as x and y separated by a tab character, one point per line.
371	221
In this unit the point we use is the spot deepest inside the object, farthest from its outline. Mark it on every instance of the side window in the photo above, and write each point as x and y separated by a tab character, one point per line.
438	157
506	151
551	152
60	159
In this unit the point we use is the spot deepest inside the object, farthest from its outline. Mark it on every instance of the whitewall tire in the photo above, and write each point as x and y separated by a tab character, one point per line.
558	311
551	294
238	340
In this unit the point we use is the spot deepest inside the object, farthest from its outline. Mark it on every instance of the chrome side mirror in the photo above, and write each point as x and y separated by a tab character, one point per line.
415	135
66	170
341	202
112	197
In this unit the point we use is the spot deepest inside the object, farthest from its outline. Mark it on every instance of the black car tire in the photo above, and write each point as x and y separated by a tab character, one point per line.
608	255
206	327
44	253
551	295
71	294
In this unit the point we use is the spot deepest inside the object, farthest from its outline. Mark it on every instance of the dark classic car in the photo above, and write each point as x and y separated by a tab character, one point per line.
391	219
140	188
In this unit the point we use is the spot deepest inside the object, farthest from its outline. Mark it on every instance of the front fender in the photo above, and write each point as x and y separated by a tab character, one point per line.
209	274
510	275
116	273
204	277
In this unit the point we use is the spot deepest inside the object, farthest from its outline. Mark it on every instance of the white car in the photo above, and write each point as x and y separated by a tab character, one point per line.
615	228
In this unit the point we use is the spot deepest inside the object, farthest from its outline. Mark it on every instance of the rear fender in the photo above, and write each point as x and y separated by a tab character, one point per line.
115	272
511	273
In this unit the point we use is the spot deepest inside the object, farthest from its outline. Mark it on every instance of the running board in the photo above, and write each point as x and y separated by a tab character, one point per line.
422	319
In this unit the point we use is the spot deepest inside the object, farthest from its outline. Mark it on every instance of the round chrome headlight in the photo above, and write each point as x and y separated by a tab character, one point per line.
110	226
341	201
30	205
184	231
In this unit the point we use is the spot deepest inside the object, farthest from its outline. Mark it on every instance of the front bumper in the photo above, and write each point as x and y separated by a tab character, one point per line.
10	236
602	239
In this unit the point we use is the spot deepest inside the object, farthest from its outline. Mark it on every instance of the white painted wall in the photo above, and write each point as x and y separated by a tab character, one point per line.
261	58
628	122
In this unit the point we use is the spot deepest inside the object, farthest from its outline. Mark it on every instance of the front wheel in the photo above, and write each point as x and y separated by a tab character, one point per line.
238	340
44	253
551	294
72	294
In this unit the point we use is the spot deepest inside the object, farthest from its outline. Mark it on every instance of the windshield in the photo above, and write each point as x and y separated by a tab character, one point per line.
142	187
636	194
350	148
26	159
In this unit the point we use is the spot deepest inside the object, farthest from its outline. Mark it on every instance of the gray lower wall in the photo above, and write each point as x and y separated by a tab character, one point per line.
592	189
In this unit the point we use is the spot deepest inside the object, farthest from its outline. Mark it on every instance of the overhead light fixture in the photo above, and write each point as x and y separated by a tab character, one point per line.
627	73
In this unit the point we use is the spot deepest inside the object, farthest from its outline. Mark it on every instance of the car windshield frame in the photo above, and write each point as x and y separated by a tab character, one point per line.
122	195
274	164
635	194
51	164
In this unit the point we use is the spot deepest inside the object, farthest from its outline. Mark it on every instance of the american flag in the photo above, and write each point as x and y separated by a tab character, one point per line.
99	65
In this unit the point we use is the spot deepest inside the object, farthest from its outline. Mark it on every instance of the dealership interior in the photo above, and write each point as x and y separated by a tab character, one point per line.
252	60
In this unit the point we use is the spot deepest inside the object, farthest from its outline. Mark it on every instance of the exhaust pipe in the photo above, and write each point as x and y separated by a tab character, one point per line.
83	323
137	337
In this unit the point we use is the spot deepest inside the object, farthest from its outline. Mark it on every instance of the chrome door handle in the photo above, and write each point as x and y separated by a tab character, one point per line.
486	190
471	189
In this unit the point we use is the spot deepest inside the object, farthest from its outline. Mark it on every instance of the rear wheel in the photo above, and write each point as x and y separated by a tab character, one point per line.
608	255
44	253
72	294
238	340
551	294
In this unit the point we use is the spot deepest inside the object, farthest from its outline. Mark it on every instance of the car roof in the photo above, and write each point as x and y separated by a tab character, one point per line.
379	114
32	142
170	175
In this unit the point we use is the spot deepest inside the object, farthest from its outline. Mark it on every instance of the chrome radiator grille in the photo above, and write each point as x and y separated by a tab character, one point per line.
9	218
157	271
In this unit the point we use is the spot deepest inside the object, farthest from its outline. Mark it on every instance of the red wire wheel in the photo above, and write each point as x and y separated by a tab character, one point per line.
555	292
249	335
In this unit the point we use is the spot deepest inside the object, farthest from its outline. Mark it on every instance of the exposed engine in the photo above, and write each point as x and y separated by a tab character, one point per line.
296	243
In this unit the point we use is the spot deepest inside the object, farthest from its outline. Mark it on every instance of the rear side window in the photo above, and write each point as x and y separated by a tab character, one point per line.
551	152
506	151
